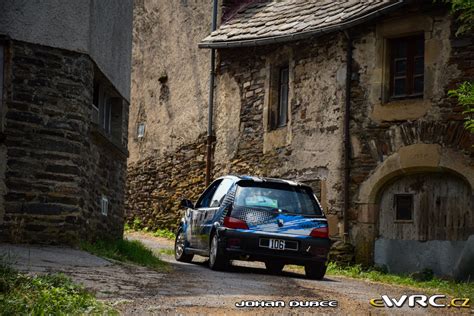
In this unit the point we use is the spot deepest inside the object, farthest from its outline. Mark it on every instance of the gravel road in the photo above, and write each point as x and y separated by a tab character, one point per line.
195	289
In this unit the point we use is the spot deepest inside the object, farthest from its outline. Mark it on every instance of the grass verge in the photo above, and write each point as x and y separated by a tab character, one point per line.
169	252
52	294
163	233
131	251
435	285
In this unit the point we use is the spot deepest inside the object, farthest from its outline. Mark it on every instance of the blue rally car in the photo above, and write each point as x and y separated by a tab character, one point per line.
259	219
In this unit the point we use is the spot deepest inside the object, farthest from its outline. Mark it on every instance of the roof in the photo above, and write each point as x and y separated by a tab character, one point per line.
237	178
289	20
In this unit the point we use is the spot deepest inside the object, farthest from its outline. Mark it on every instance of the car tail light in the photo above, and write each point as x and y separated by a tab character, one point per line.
231	222
320	232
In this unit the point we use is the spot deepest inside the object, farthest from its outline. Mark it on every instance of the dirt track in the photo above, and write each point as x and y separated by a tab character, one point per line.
192	289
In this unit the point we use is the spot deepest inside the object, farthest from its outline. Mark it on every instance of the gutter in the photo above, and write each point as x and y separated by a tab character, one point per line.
303	35
347	136
212	75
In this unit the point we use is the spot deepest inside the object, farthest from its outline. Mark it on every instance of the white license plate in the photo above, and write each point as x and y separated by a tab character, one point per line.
277	244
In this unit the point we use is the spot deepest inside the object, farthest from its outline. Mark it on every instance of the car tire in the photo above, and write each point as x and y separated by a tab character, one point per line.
315	271
217	260
180	248
274	267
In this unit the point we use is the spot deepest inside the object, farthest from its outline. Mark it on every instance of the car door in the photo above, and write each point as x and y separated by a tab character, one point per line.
197	215
209	212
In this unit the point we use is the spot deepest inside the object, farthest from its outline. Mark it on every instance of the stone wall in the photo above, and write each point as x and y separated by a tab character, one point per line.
309	148
56	168
100	28
155	187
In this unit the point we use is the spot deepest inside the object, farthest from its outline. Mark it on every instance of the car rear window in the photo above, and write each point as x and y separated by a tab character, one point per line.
279	196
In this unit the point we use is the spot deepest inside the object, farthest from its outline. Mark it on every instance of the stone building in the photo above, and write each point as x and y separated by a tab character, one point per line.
350	97
65	92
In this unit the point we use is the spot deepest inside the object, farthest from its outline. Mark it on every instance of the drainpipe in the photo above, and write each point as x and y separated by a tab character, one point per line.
347	139
210	137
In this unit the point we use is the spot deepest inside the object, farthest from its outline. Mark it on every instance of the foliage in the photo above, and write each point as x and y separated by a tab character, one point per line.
457	289
465	11
132	251
52	294
465	95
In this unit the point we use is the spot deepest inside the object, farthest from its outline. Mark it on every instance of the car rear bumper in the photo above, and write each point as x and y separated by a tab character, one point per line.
238	244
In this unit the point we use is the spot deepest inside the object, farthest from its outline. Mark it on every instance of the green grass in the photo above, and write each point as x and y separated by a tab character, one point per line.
136	226
434	285
169	252
131	251
52	294
164	233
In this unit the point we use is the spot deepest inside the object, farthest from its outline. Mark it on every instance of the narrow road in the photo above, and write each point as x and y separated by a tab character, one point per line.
195	289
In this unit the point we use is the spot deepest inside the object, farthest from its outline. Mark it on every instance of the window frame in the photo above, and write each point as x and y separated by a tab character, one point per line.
283	96
411	42
412	205
141	130
107	109
280	96
104	205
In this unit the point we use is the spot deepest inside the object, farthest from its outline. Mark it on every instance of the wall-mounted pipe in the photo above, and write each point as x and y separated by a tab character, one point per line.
347	136
210	137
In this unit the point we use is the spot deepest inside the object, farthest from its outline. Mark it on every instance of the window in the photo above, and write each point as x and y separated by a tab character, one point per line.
404	207
221	192
407	67
286	198
279	110
141	130
104	205
205	199
107	108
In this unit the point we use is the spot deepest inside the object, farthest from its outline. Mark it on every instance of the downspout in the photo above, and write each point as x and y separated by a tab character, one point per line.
347	139
210	138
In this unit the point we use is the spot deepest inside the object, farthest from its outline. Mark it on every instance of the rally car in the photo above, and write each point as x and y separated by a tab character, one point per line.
274	221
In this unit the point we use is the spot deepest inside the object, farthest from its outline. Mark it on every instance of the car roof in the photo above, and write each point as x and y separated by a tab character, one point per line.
237	178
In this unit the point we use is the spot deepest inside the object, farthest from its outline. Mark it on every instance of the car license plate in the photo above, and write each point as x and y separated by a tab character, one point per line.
277	244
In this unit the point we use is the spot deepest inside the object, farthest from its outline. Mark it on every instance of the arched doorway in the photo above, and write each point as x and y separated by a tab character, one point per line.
423	222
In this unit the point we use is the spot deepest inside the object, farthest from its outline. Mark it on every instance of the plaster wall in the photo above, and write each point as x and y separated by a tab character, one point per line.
100	28
170	76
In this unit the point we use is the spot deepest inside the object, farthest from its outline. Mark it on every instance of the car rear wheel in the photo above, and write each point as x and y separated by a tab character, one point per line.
217	260
179	248
315	271
274	267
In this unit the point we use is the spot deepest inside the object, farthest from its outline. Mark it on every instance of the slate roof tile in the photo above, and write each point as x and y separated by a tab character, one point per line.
287	17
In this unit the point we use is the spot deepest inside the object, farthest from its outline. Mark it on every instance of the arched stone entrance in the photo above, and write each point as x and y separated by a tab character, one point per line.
424	220
416	211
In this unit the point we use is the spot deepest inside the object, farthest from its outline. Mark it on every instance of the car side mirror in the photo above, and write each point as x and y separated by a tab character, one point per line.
187	203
